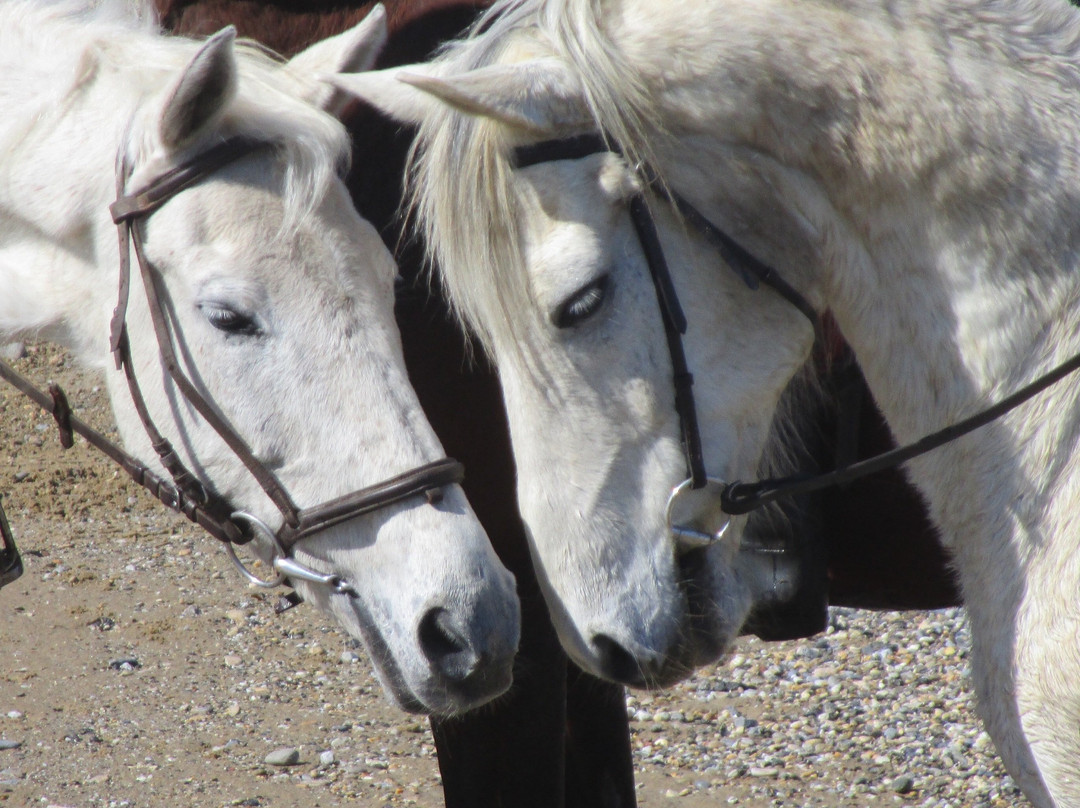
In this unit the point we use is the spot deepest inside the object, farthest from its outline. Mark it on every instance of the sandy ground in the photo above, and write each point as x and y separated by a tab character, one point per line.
139	671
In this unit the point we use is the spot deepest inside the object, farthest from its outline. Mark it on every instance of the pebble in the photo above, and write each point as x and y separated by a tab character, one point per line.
903	784
286	756
124	664
5	744
840	719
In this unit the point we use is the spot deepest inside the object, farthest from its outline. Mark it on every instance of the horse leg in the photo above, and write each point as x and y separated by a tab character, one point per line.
994	606
1048	674
599	760
512	751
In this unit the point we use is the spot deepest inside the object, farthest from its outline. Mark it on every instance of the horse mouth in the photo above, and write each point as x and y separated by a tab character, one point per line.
423	688
704	634
708	631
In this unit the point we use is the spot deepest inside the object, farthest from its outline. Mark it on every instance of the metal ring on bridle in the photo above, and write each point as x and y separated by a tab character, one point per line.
260	527
288	569
693	515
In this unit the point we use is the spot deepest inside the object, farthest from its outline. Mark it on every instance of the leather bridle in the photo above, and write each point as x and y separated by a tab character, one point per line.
699	508
185	493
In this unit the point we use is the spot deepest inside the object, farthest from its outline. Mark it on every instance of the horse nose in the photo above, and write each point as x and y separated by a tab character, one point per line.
618	664
447	647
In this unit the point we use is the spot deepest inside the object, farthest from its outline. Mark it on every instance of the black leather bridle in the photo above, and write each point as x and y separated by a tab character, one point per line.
185	493
699	507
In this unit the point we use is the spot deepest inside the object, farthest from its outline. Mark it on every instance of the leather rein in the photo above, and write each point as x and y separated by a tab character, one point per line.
699	507
185	493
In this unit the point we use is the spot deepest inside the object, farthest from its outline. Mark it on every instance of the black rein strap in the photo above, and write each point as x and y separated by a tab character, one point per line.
56	403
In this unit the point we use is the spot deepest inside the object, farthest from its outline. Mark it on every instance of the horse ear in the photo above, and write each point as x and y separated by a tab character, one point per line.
202	92
541	97
383	90
353	51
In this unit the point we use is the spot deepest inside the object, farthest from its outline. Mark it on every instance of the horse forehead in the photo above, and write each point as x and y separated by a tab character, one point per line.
578	190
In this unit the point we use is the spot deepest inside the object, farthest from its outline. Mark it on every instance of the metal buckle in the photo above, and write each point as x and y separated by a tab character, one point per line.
694	516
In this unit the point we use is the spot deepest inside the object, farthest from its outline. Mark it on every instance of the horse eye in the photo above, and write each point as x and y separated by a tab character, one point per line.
229	320
583	304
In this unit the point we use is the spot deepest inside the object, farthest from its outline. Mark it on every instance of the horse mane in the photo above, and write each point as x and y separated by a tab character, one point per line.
460	162
50	51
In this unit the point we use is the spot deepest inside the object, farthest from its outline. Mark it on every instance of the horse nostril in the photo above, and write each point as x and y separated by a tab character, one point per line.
617	663
445	646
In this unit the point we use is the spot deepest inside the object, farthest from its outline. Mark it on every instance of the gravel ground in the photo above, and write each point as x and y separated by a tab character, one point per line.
139	672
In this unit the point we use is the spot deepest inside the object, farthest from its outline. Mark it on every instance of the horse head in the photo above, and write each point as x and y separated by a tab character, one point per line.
563	299
276	301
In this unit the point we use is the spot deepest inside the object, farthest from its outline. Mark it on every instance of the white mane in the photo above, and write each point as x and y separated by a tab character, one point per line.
49	52
463	162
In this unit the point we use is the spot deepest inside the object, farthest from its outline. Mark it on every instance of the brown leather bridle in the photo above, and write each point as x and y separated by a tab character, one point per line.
186	493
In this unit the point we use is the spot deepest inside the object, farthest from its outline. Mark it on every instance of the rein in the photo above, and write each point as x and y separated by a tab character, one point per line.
186	494
686	516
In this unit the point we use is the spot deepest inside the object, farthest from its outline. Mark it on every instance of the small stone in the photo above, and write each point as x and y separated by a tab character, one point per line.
326	758
124	664
5	744
14	714
903	784
349	657
232	660
21	475
286	756
764	771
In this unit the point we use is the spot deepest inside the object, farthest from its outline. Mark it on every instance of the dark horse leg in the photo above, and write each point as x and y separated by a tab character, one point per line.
547	743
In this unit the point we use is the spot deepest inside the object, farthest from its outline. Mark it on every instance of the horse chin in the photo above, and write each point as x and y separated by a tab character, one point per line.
714	605
717	604
415	688
408	676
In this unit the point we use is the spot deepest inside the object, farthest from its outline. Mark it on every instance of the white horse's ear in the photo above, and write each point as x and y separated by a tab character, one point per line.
203	91
353	51
384	91
540	96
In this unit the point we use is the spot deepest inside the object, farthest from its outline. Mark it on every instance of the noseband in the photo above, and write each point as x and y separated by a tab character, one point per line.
699	508
186	494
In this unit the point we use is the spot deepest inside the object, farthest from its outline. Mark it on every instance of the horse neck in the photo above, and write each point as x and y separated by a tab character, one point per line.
57	242
931	170
931	174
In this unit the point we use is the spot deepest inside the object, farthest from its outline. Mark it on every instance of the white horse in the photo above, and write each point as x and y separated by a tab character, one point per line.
280	302
911	167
